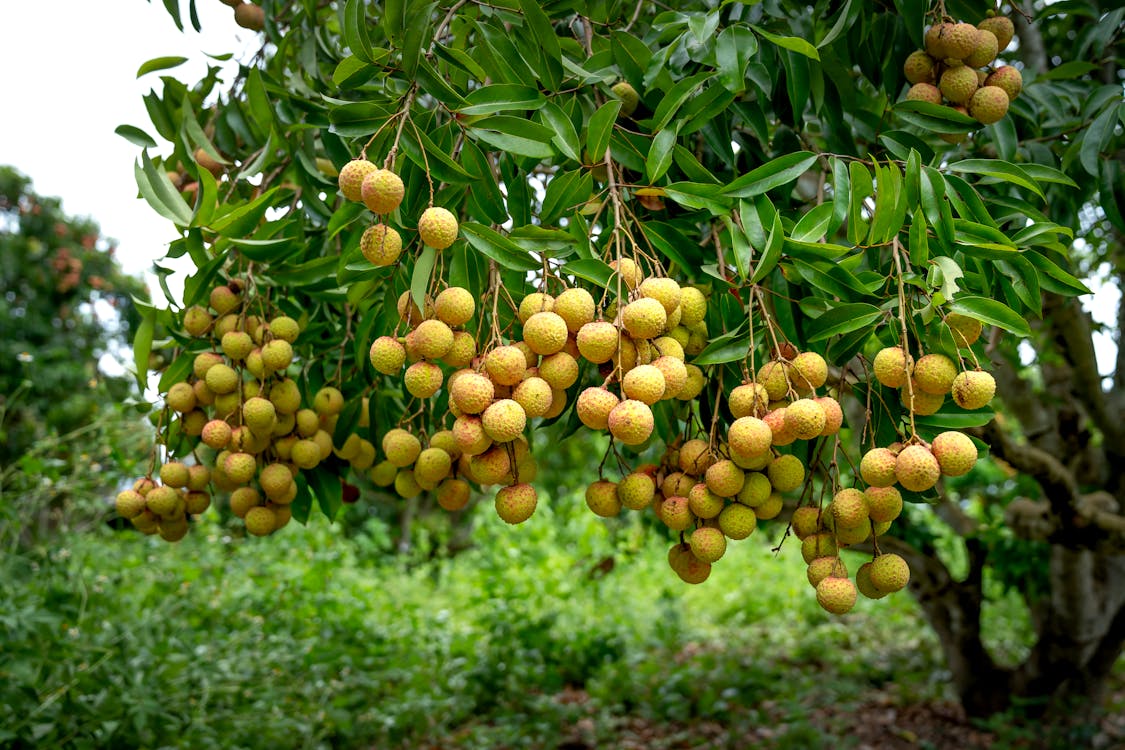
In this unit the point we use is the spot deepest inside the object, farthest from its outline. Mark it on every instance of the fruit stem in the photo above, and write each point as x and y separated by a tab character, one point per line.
896	251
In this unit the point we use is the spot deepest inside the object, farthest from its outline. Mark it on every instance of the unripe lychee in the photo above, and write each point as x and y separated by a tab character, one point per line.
236	345
631	422
408	310
545	333
644	383
708	544
884	504
277	355
919	67
989	104
960	40
597	341
630	272
406	484
601	498
666	346
240	467
455	306
676	513
504	420
275	480
916	468
973	389
470	436
677	484
965	330
259	415
786	473
935	40
463	351
703	502
823	567
516	503
889	573
674	373
382	191
805	418
958	84
351	178
773	377
693	306
665	291
635	491
576	307
748	400
693	386
216	434
924	92
756	490
687	566
724	478
984	52
805	521
306	453
644	318
505	365
780	429
737	521
199	477
197	321
181	398
849	508
383	474
432	466
624	91
285	396
934	373
955	453
222	379
1002	28
422	379
387	355
836	595
129	504
893	366
400	447
695	457
864	585
453	494
437	227
877	467
560	370
381	245
284	327
328	401
433	339
820	544
594	406
223	299
771	508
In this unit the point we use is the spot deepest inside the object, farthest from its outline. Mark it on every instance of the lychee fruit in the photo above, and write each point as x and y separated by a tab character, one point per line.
955	453
259	415
597	341
916	468
693	386
805	521
708	544
576	307
889	573
453	494
786	473
545	333
422	379
197	321
893	366
960	40
724	478
470	436
958	84
805	418
601	498
934	374
973	389
849	508
770	508
594	406
644	318
382	191
748	400
686	565
534	303
400	447
534	394
822	567
516	503
808	371
989	104
737	521
631	422
864	584
920	402
644	383
836	595
506	365
773	376
432	466
676	513
406	484
985	50
1002	28
884	504
919	67
351	178
877	467
833	415
779	428
924	92
695	457
492	466
504	420
624	91
222	379
560	370
381	245
635	491
665	291
432	339
965	330
387	355
437	227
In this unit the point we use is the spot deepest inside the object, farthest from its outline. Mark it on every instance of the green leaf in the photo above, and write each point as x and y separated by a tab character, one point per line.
160	63
952	417
501	97
352	71
843	319
565	136
949	272
733	50
1069	69
498	247
515	135
999	170
770	175
566	191
599	129
594	270
660	154
135	135
935	118
890	208
919	240
862	185
328	488
142	344
772	253
992	312
694	195
1096	137
791	43
728	348
1069	283
159	192
546	40
420	279
675	98
814	224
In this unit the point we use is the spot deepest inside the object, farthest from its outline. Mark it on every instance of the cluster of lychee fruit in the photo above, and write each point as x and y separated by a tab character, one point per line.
958	67
381	190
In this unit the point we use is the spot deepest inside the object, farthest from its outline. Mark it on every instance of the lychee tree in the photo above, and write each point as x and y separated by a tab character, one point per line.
768	258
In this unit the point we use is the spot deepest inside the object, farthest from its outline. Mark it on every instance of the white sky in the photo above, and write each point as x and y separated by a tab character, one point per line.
70	79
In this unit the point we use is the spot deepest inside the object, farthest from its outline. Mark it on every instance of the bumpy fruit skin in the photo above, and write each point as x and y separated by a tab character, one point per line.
989	104
693	306
453	494
597	341
884	504
773	376
687	566
576	307
973	389
779	428
822	567
635	491
676	513
463	351
197	321
674	372
985	50
259	415
849	508
694	384
935	41
748	400
737	521
919	67
504	420
786	473
387	355
695	457
836	595
602	500
708	544
959	84
877	467
664	290
400	447
808	371
916	468
534	395
644	318
382	191
1002	28
422	379
965	330
805	521
129	504
934	374
955	453
1008	78
594	407
960	40
833	415
920	402
806	418
406	485
437	227
533	303
381	245
506	365
545	333
924	92
624	91
351	178
724	478
644	383
889	573
469	435
893	366
631	422
864	584
516	503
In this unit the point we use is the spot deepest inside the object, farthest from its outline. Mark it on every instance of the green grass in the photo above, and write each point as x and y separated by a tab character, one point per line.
316	639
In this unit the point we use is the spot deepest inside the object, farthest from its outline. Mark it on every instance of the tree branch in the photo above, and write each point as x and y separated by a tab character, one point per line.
1057	481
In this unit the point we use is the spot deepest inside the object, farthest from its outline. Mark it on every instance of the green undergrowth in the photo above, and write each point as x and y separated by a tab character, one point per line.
316	639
